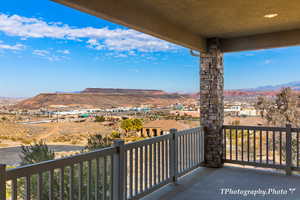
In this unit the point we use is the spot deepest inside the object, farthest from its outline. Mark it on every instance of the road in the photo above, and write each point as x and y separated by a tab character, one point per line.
10	155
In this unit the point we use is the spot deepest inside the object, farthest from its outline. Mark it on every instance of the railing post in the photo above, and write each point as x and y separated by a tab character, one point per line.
119	163
288	168
174	155
2	182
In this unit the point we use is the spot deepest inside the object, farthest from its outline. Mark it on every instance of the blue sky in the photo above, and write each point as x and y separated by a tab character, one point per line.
47	47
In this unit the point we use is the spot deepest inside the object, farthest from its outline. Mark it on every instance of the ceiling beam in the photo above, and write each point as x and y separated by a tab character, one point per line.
128	13
261	41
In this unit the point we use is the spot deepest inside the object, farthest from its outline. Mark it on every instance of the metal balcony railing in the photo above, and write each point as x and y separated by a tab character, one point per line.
124	171
270	147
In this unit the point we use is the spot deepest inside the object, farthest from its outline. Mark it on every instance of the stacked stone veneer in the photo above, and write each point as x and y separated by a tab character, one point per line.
212	103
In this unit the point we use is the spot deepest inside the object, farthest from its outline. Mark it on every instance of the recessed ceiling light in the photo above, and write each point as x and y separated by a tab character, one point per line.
271	15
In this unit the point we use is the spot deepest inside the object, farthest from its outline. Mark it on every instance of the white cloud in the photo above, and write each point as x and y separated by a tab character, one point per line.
66	52
41	52
94	44
47	55
268	61
15	47
96	38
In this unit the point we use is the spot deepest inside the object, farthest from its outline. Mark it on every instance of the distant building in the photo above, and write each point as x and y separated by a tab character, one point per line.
195	113
161	127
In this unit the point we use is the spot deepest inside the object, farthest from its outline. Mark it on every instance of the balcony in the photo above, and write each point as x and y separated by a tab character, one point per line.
149	168
223	184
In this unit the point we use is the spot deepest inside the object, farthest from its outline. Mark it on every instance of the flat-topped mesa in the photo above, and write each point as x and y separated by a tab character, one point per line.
122	91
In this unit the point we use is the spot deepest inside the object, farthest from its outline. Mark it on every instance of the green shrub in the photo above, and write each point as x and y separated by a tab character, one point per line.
99	119
97	142
115	135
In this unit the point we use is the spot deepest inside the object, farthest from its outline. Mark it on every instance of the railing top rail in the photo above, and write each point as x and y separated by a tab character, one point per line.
188	131
262	128
147	141
157	139
41	167
296	130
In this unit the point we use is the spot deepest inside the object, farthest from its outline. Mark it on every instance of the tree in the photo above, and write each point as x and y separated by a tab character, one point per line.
126	125
35	153
131	125
282	110
137	124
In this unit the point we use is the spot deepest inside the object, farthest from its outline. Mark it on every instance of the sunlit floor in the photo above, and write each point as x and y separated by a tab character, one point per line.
231	183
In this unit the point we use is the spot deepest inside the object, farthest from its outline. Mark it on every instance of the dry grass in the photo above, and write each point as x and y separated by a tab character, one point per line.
12	134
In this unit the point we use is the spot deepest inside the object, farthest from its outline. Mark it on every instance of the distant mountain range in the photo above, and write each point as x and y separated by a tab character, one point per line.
106	98
9	100
115	97
294	85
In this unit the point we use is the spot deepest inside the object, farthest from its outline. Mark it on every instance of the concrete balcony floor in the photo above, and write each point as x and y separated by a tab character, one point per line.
206	184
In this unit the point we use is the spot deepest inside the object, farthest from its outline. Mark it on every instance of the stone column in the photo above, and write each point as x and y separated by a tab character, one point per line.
212	102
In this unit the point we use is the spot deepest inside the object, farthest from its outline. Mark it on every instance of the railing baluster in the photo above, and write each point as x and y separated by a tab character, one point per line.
267	146
159	162
163	159
274	156
146	167
105	178
236	144
194	148
150	165
167	158
225	144
110	181
181	153
260	146
280	147
248	145
89	181
136	173
27	188
242	138
186	152
154	166
14	186
141	174
230	132
298	160
51	180
97	178
39	186
71	182
190	150
2	181
254	146
61	185
131	173
288	149
80	177
126	172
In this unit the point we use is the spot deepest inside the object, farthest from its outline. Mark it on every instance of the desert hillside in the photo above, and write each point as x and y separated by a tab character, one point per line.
104	98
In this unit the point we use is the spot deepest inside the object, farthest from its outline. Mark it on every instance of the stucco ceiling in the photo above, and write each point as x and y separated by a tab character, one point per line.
240	24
